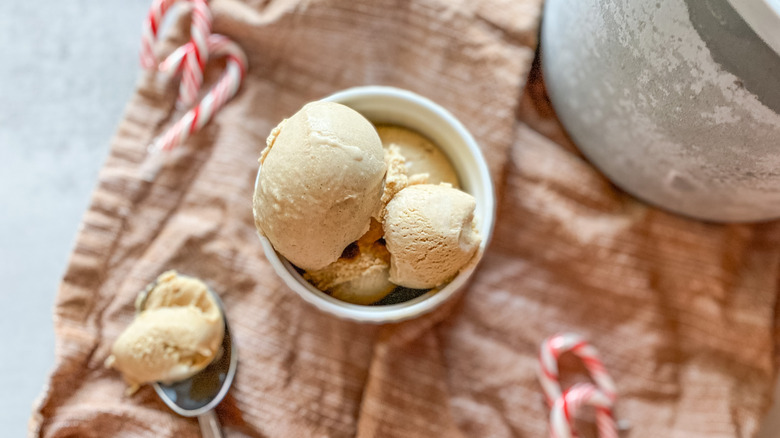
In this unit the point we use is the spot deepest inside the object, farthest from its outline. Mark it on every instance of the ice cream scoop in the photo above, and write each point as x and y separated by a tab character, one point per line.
421	156
319	184
361	274
176	333
430	233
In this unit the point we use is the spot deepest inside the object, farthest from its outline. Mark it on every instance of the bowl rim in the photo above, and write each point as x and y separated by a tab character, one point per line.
430	300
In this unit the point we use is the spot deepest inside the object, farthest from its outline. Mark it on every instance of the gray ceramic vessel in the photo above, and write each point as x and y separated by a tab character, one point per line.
676	101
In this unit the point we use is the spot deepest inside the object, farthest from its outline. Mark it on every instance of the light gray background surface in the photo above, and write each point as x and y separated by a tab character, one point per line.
67	69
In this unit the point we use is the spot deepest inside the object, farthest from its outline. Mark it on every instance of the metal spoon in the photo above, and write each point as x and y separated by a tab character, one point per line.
201	393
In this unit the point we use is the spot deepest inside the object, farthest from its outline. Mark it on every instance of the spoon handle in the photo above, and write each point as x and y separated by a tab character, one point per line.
209	425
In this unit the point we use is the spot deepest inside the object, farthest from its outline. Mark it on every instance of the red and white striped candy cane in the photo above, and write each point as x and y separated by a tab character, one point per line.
551	350
566	407
602	395
225	88
196	59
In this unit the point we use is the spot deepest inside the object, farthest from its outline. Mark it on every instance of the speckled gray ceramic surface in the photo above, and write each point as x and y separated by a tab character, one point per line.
676	101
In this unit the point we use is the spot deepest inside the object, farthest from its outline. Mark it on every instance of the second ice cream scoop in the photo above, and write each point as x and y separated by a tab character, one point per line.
430	233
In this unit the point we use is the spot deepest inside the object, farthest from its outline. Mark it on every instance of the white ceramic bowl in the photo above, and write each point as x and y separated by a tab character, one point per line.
388	105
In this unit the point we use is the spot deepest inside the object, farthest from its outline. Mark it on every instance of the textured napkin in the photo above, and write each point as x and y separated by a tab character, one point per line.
683	312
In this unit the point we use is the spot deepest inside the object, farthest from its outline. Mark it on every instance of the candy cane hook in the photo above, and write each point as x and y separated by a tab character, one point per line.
196	59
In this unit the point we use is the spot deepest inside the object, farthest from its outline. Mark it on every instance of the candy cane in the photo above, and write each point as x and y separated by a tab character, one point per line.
551	350
565	404
195	61
225	88
566	407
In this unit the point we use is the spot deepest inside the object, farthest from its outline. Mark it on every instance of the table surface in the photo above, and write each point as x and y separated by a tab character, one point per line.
68	70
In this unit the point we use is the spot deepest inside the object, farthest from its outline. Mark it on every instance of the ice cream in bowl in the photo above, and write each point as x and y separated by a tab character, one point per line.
374	204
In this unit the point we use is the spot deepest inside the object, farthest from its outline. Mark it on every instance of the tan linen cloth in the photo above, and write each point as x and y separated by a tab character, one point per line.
683	312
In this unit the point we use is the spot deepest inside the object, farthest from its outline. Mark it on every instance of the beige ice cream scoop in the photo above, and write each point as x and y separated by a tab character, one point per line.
176	334
430	234
361	274
320	181
421	156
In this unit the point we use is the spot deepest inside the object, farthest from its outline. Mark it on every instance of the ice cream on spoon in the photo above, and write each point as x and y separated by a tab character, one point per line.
177	332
